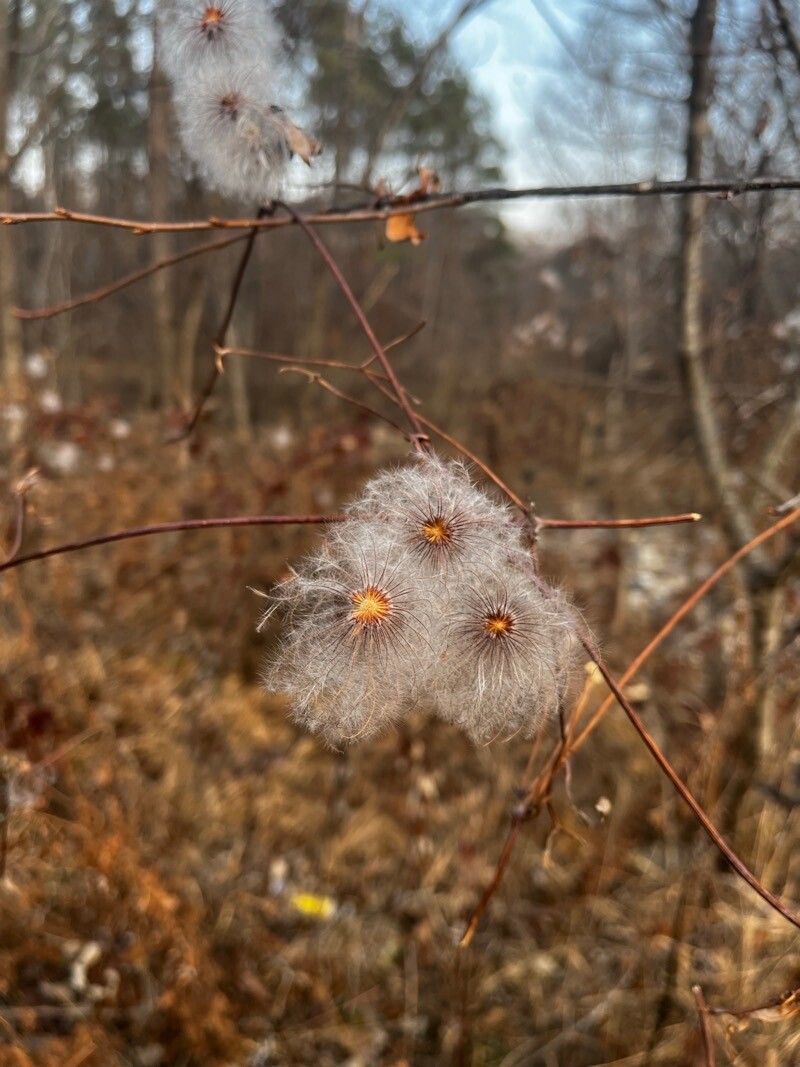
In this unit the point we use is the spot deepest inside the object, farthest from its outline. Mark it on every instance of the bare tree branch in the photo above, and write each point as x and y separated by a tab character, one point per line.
382	208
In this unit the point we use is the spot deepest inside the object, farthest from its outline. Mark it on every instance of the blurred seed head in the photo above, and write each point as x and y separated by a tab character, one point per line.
224	58
195	34
232	131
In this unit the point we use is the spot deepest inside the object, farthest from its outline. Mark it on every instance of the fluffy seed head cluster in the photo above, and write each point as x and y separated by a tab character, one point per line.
223	57
425	594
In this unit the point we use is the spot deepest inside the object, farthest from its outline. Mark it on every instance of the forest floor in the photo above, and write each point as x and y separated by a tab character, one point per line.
191	880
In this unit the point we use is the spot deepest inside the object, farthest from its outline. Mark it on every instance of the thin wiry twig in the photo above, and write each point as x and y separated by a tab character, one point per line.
418	437
381	209
323	383
170	527
705	1029
617	524
222	332
686	795
331	364
540	788
97	295
787	1000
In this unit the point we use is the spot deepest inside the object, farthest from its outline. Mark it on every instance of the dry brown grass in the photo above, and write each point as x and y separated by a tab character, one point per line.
151	910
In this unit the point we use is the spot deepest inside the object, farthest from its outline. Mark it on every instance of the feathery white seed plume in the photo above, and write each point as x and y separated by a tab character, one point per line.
224	60
509	656
425	593
195	34
446	521
354	639
240	140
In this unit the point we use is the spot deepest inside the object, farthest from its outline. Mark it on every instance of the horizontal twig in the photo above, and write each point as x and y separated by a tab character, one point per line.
170	527
387	207
94	297
222	523
617	524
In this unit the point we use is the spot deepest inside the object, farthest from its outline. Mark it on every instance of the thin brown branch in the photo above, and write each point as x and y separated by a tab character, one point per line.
21	489
789	1000
490	890
230	522
705	1029
317	379
418	437
686	607
379	210
687	796
331	364
462	449
539	790
222	332
617	524
32	314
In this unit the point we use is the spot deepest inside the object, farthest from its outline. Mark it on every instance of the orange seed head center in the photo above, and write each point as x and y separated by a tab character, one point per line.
370	606
212	15
498	624
436	531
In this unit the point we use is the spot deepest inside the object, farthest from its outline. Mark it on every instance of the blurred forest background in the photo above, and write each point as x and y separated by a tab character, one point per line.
187	879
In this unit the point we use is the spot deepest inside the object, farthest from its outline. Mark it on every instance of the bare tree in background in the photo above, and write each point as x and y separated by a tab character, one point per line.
10	328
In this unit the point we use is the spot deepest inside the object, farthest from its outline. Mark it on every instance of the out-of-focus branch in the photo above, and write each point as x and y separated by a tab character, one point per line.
788	1001
404	96
381	209
784	441
705	1029
170	527
790	38
30	314
222	332
21	489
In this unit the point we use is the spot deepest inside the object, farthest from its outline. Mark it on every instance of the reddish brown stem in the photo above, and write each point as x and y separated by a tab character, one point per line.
540	787
686	795
171	527
616	524
418	436
380	210
494	885
788	1000
705	1029
123	283
317	379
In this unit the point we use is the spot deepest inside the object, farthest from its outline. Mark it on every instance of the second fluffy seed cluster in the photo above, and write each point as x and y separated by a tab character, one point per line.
424	595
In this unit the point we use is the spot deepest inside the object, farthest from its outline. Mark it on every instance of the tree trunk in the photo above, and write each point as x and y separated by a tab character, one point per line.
10	328
163	243
736	521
